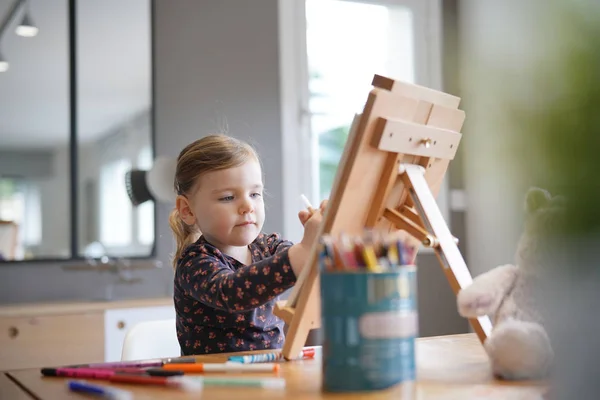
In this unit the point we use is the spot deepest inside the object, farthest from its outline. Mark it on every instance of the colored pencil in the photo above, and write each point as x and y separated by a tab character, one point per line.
370	251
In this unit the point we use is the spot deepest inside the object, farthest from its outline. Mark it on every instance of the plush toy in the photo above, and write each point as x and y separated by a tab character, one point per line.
518	347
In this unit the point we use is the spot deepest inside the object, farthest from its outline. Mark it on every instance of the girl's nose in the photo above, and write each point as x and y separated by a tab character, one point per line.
246	206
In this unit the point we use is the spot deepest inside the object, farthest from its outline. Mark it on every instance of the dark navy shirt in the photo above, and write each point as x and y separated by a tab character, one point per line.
223	305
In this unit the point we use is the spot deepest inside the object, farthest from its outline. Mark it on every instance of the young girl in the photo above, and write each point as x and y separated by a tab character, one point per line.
228	273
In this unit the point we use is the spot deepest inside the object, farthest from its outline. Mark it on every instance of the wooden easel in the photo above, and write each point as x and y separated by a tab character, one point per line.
393	165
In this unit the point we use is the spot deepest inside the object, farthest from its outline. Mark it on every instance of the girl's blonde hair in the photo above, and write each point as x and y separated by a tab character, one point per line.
211	153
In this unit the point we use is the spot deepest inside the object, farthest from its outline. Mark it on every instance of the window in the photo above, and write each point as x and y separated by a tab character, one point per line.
11	202
368	38
20	205
337	48
145	211
125	230
62	173
115	206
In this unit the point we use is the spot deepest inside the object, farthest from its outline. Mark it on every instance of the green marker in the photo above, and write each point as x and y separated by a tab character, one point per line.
265	383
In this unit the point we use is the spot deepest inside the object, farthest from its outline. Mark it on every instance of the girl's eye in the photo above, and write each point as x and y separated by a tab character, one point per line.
256	195
226	198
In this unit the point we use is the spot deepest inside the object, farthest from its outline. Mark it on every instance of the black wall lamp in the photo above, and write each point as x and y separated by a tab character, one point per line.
155	184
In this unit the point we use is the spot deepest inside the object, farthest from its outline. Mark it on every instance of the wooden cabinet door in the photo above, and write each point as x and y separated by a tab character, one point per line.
51	340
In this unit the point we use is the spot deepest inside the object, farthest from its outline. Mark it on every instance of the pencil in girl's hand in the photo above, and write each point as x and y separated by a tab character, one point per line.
309	206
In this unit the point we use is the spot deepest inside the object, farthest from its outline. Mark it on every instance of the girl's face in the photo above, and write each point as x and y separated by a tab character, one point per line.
227	206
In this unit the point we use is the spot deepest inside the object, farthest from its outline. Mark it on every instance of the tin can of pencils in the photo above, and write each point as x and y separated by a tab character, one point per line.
369	322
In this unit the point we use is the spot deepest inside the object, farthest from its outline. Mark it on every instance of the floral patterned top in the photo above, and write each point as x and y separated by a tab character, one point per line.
223	305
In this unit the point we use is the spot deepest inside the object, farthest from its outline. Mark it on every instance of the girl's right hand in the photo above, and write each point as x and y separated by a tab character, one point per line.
311	228
312	223
305	215
300	252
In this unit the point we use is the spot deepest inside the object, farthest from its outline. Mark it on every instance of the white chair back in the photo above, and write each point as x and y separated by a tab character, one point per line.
151	339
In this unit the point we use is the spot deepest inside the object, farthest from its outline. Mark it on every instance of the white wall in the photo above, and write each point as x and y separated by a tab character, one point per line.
217	66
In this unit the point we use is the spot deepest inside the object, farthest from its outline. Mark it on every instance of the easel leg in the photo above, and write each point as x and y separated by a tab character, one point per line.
308	305
447	251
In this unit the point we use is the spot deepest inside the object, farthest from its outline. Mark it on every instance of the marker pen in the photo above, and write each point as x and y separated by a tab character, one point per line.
104	392
269	357
222	367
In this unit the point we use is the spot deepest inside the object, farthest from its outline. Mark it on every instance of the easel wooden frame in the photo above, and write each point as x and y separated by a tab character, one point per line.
392	168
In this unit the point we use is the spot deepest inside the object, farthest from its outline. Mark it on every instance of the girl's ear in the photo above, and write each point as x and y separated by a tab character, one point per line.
185	210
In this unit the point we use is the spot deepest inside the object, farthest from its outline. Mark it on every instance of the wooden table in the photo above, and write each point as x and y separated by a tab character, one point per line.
449	367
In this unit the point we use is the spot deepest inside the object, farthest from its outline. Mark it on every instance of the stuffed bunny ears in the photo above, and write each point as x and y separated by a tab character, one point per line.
538	198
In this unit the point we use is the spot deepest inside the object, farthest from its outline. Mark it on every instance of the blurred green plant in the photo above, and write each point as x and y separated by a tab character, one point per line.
557	125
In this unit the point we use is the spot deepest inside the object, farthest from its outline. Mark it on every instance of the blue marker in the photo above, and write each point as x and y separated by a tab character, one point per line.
270	357
103	392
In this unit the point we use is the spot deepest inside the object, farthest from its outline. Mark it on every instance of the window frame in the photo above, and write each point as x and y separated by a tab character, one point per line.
298	142
104	231
73	152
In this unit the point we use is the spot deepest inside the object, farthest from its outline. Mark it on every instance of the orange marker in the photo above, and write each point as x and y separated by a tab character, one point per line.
222	367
